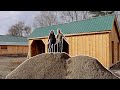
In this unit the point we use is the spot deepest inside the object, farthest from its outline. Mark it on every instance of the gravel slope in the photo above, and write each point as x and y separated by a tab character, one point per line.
60	66
43	66
84	67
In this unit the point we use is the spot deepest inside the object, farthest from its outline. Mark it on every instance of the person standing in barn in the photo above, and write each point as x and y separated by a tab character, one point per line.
60	37
52	41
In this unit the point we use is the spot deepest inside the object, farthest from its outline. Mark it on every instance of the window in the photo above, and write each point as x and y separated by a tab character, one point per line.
118	51
112	52
3	47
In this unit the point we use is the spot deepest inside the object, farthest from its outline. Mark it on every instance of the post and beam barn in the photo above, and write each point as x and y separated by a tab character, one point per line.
96	37
13	45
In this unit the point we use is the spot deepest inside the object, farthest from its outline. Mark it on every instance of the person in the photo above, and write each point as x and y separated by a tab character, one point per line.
51	40
60	37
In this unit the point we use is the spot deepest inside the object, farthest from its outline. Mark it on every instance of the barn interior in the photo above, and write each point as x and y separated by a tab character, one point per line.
38	47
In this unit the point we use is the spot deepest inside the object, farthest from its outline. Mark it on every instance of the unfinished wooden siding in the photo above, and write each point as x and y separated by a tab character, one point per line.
45	41
95	45
14	50
29	47
114	38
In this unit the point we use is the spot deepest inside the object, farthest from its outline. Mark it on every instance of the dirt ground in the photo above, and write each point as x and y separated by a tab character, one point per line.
8	64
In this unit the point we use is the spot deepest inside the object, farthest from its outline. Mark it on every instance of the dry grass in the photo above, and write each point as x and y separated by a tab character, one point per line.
8	64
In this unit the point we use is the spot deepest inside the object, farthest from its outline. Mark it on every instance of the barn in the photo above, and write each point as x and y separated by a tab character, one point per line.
96	37
13	45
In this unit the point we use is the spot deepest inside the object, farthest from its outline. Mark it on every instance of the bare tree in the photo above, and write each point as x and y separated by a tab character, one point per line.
70	16
85	14
101	13
19	29
27	31
45	18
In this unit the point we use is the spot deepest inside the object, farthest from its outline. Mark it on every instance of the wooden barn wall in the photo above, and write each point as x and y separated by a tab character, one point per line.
45	41
29	48
114	37
14	50
96	46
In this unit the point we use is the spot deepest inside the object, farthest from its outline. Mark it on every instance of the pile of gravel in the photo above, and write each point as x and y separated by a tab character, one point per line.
60	66
84	67
43	66
116	69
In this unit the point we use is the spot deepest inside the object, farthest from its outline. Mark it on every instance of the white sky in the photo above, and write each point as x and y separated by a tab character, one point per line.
8	18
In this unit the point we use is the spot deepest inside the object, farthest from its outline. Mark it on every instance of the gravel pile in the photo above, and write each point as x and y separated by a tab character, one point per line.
60	66
43	66
116	69
84	67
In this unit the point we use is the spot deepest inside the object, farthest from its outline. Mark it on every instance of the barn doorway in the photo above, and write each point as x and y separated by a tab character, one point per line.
37	47
65	47
112	52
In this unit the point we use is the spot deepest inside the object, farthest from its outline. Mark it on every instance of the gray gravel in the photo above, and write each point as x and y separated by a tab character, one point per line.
84	67
60	66
116	69
43	66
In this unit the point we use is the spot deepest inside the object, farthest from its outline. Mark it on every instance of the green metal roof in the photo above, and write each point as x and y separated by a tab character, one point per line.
14	43
12	40
89	25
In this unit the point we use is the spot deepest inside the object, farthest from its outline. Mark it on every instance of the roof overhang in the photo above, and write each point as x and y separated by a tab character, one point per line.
77	34
14	43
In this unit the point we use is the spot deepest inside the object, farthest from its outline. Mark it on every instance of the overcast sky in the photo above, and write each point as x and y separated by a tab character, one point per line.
8	18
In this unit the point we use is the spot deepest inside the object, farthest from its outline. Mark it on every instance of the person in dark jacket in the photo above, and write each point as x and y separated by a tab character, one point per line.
52	41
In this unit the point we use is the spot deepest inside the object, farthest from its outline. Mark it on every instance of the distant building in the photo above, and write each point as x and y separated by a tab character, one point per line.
96	37
13	45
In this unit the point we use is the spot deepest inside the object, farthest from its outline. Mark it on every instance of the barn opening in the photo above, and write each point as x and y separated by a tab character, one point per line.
65	47
112	52
37	47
